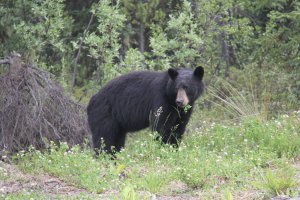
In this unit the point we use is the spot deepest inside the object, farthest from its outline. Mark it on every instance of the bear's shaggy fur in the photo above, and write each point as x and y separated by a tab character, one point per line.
136	100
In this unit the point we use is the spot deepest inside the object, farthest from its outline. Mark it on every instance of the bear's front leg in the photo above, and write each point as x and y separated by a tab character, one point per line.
174	133
174	136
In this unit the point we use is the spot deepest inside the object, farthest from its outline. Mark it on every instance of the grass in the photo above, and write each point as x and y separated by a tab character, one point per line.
215	161
278	182
23	195
39	195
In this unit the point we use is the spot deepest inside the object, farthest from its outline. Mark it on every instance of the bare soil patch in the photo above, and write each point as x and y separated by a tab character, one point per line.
13	181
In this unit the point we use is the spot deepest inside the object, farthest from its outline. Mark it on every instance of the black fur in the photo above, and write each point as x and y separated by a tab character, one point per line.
133	102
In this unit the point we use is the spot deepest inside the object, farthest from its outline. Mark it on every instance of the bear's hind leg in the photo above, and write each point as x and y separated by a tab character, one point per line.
106	137
120	140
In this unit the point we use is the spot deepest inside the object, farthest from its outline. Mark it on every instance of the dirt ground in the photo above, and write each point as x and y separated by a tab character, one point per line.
14	181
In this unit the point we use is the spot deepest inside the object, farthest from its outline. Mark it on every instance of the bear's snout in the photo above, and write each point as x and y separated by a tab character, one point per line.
179	102
182	99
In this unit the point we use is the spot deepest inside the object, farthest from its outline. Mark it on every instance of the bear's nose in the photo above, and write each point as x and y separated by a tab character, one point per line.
179	102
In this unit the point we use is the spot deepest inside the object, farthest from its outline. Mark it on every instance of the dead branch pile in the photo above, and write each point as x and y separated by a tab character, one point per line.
34	109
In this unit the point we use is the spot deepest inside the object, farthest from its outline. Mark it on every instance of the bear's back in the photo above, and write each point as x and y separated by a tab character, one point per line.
130	98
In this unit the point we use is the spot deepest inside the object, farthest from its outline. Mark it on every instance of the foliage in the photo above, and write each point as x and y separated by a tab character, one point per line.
37	29
224	157
235	39
279	182
103	44
134	60
128	193
178	44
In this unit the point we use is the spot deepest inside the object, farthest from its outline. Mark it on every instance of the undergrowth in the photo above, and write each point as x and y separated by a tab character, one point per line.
223	158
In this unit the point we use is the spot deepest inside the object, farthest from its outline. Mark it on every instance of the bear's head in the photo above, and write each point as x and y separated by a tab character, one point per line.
184	86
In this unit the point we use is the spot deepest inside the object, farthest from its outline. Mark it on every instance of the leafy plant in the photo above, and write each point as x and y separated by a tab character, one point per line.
103	44
187	108
129	193
278	182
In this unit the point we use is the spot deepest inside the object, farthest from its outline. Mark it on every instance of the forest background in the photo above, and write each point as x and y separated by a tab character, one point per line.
252	44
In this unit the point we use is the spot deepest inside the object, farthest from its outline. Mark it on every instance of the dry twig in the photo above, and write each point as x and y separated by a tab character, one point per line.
34	110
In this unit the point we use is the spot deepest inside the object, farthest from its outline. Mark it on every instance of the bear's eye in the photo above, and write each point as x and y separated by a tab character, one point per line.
184	87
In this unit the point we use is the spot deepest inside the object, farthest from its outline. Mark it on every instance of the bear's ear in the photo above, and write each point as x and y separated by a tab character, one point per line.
173	73
199	72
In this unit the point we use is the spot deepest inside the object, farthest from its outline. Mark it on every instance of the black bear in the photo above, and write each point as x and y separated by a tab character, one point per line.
136	100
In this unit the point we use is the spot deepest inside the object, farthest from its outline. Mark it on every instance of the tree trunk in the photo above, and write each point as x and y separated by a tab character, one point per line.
79	50
225	53
142	38
232	54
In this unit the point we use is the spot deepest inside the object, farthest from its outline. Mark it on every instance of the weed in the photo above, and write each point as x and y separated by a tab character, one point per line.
187	108
129	193
228	195
234	102
277	182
